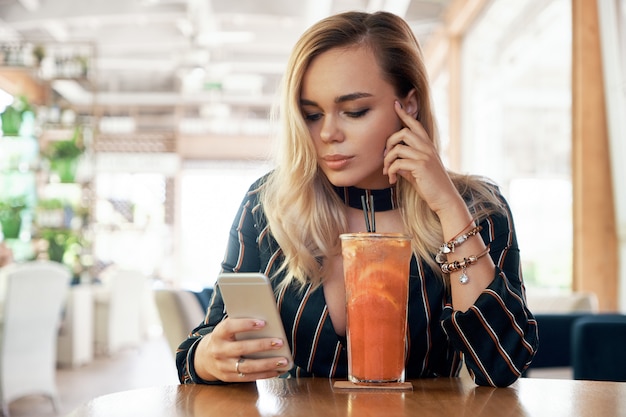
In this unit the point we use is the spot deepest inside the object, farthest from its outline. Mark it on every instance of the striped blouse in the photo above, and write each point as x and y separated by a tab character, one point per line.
496	337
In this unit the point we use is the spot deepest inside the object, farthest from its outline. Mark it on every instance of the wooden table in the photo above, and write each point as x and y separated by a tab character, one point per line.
317	397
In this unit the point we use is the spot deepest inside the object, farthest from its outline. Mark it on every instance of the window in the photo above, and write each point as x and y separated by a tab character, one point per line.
130	227
516	125
210	195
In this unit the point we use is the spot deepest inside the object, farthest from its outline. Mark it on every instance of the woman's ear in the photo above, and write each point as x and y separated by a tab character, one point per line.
411	103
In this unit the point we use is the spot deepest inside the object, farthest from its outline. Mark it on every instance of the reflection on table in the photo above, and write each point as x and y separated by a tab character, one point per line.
318	397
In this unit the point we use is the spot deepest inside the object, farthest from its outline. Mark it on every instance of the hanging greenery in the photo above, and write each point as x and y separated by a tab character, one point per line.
63	156
70	148
11	216
13	116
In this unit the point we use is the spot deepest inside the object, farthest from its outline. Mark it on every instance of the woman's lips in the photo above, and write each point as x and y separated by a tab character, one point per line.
336	162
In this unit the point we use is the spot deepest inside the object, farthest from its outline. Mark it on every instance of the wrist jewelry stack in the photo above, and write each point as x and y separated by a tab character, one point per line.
448	247
454	266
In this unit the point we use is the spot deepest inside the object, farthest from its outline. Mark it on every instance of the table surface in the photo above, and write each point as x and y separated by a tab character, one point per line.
319	397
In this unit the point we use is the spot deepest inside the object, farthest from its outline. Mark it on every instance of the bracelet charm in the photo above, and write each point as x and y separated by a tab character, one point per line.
464	279
448	247
454	266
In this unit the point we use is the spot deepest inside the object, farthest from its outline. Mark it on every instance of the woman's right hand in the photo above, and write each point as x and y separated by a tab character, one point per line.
219	355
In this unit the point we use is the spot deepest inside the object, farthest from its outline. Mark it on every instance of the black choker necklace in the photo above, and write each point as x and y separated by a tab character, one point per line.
384	200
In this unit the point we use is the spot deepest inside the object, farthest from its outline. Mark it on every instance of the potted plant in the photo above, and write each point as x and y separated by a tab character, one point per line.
63	246
13	116
11	216
50	213
58	242
64	155
39	52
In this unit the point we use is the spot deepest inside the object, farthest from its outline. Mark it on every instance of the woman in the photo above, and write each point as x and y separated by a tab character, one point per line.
357	119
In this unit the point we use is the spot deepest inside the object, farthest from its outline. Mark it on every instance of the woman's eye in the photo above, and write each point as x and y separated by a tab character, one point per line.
356	114
312	117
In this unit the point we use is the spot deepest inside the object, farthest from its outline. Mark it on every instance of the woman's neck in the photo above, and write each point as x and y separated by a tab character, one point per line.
384	200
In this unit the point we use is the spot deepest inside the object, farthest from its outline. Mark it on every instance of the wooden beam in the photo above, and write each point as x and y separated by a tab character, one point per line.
459	17
595	240
462	14
443	53
224	148
18	81
455	103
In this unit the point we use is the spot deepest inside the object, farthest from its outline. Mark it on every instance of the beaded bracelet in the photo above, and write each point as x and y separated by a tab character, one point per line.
449	246
454	266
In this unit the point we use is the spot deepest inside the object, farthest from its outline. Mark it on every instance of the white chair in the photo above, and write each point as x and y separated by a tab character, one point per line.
32	307
180	312
118	311
75	343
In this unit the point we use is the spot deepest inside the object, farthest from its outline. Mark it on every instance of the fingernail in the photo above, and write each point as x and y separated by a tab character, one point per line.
281	362
399	104
277	343
259	323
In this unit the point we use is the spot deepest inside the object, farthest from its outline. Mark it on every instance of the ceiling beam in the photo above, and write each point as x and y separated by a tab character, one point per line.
72	10
460	15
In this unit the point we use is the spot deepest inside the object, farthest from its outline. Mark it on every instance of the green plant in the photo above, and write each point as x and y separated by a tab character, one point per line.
66	149
62	243
63	156
11	216
12	205
50	204
39	52
13	116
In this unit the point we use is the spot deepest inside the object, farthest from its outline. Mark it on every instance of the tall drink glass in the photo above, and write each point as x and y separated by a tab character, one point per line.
376	272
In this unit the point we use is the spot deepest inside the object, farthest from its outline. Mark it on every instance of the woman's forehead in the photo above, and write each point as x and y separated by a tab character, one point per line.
343	70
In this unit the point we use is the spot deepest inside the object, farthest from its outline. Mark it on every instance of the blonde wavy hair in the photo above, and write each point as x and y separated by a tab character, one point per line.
304	213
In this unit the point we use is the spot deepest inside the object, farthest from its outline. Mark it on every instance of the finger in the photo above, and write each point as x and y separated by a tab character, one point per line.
403	145
407	119
403	150
229	326
251	346
403	168
403	163
412	134
253	369
413	129
399	151
270	365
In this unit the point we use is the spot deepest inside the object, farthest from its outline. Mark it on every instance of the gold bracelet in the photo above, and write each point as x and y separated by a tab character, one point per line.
449	246
454	266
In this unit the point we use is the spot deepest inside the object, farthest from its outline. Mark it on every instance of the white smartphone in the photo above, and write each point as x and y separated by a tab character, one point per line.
250	295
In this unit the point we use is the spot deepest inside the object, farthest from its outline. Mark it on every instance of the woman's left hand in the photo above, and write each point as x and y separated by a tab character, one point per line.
411	154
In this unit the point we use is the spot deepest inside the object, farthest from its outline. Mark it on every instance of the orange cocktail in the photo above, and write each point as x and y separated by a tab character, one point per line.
376	271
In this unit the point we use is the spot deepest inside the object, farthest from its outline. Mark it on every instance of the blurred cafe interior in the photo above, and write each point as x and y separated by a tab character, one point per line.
131	130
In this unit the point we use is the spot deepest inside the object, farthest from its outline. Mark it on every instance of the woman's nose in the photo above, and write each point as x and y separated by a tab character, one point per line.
330	130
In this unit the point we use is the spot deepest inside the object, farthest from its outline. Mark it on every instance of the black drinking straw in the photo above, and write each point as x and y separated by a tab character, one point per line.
368	213
372	217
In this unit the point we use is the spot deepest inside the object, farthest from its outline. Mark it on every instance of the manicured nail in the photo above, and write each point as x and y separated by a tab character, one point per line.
259	323
277	343
398	104
281	362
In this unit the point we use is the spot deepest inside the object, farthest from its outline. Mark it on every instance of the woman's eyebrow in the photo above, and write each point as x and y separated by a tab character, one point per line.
351	96
340	99
305	102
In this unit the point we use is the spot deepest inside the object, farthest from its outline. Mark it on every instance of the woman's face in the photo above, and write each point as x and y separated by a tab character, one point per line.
349	110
